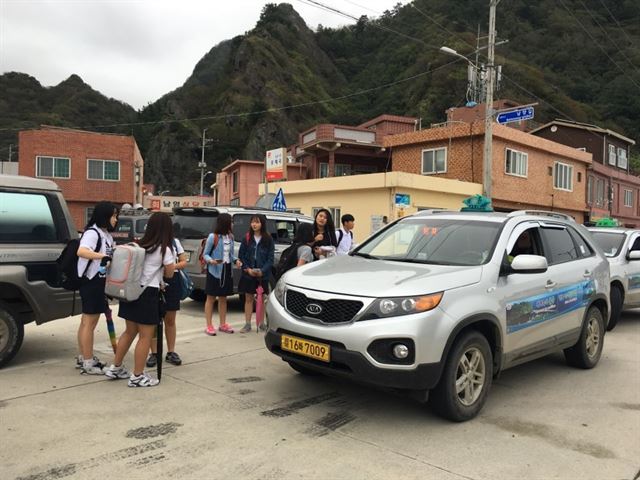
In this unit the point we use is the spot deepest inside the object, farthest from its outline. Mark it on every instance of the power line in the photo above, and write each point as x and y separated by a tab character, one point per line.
617	22
260	112
598	44
608	36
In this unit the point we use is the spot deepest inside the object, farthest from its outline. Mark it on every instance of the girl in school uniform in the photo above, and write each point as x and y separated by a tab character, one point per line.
96	244
172	305
256	254
218	254
324	232
142	315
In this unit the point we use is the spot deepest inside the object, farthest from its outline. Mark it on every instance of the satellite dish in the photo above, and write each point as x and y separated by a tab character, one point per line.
126	205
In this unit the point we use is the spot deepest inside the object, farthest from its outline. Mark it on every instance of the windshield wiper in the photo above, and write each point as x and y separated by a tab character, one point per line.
413	260
364	255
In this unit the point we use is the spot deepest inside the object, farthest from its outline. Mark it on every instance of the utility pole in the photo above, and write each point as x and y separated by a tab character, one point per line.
488	119
202	164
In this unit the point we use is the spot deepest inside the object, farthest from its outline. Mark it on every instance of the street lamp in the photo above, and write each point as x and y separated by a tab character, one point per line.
164	192
202	165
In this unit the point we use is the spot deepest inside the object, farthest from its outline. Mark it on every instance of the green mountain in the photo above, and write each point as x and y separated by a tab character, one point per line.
579	59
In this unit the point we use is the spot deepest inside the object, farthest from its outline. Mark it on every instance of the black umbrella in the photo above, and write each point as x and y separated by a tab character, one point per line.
163	309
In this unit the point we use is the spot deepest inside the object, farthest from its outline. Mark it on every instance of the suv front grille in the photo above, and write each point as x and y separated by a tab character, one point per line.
327	311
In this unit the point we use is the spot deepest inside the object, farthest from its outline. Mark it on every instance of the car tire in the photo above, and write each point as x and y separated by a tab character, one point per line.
445	400
587	351
303	370
11	335
198	295
617	301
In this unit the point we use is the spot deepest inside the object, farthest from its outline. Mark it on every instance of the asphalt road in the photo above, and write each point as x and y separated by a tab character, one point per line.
233	410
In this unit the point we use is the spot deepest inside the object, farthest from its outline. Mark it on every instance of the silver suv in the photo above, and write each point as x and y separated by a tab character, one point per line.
35	225
443	302
192	225
622	248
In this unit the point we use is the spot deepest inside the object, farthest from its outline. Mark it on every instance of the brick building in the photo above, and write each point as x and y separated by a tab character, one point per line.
612	191
88	166
529	172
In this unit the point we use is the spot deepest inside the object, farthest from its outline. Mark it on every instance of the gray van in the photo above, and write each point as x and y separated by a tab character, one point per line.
35	225
192	225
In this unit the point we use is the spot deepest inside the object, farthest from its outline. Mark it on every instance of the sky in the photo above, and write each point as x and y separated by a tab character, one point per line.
136	50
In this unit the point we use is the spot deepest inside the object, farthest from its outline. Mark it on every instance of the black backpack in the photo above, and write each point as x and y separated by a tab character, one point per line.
288	260
68	263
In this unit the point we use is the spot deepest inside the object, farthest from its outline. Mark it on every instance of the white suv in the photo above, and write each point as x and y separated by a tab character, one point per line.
444	301
622	248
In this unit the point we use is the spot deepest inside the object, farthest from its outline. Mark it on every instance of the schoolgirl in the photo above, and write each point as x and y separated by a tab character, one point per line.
324	232
256	254
172	305
142	315
218	254
96	248
304	239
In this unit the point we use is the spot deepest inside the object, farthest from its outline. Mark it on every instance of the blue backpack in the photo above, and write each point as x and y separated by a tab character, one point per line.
182	280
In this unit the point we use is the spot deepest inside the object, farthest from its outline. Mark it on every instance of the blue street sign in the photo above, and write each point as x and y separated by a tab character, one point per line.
524	113
279	205
403	200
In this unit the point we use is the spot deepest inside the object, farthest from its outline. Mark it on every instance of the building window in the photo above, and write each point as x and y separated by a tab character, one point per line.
335	213
612	155
323	170
434	161
314	211
600	192
234	182
628	198
590	190
294	210
54	167
563	176
103	170
622	158
235	202
88	213
515	163
343	169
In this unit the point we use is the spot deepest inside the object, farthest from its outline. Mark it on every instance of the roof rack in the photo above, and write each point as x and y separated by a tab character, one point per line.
431	211
558	215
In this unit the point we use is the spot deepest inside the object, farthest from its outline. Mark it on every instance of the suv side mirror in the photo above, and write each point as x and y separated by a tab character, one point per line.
633	255
529	264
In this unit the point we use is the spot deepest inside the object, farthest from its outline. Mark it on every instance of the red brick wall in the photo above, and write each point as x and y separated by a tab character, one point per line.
80	146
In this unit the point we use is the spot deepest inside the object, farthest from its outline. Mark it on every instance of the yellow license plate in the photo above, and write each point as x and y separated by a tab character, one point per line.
301	346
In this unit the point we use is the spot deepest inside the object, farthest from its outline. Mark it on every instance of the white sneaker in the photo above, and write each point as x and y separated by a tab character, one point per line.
91	370
96	362
142	380
115	373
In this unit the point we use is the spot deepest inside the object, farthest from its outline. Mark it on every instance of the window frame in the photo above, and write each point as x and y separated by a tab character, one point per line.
323	166
600	195
569	167
612	155
622	155
590	196
336	218
104	164
53	166
435	161
519	157
628	192
235	183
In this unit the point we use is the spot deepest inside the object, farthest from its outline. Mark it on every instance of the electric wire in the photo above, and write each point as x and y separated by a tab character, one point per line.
617	23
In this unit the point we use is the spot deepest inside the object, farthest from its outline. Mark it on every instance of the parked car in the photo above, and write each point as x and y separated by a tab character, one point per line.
35	225
131	225
192	225
622	248
439	303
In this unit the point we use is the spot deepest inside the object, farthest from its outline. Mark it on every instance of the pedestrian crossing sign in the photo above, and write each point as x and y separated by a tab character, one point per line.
279	205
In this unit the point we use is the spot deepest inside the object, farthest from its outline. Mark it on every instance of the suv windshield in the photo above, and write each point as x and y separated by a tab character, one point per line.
435	241
610	242
193	226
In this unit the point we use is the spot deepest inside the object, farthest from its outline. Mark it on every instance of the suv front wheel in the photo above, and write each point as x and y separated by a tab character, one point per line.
466	379
11	335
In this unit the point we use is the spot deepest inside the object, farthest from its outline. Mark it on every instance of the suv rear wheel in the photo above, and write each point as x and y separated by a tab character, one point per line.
11	335
586	352
466	379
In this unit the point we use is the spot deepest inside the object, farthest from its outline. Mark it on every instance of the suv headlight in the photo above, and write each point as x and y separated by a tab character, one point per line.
394	307
279	291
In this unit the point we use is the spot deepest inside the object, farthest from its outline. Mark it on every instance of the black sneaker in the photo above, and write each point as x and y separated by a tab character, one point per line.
152	360
173	358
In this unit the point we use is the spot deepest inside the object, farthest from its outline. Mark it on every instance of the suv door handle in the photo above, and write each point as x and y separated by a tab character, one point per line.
587	273
550	284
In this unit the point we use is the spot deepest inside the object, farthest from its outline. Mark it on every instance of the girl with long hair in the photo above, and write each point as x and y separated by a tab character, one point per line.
324	232
218	254
142	315
256	254
96	248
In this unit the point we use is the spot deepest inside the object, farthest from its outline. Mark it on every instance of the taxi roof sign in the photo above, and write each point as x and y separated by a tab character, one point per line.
607	222
477	203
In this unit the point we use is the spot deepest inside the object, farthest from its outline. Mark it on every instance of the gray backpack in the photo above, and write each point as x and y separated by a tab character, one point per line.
125	272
